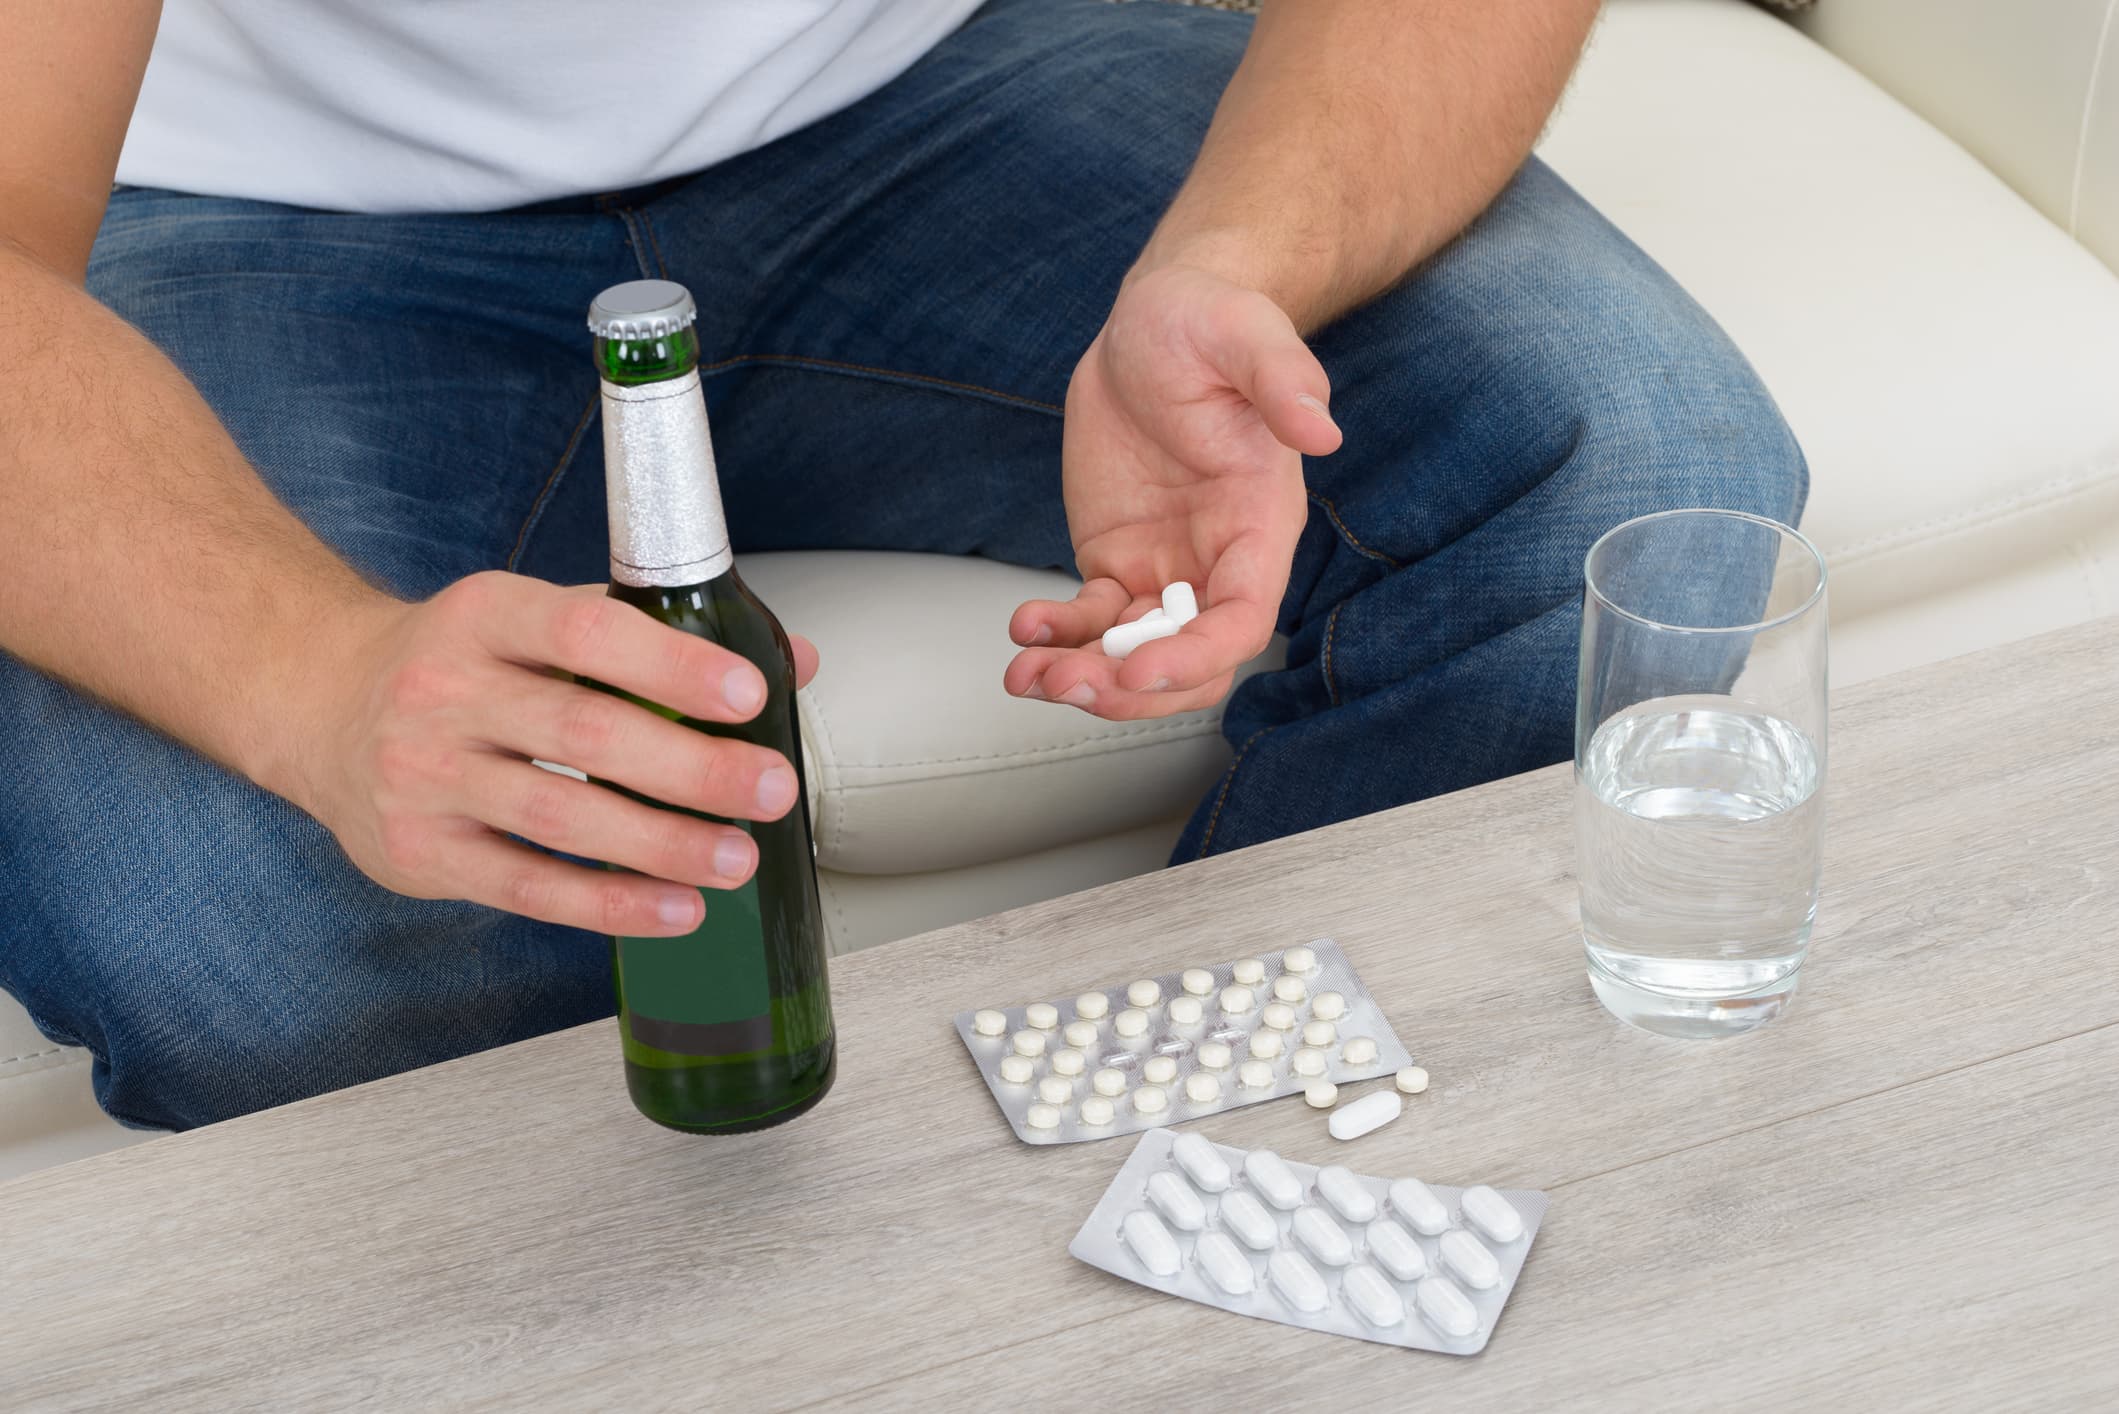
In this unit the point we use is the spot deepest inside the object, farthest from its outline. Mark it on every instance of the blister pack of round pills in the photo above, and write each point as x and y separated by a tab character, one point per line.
1180	1045
1397	1261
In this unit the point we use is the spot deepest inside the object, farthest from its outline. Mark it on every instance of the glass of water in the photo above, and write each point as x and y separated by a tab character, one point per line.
1700	768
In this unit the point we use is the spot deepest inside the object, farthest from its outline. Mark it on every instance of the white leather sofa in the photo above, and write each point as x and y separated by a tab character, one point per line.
1905	211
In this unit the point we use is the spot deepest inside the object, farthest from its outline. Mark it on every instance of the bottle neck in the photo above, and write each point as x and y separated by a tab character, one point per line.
667	527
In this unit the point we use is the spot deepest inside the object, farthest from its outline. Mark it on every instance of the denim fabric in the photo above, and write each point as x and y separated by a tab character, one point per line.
892	301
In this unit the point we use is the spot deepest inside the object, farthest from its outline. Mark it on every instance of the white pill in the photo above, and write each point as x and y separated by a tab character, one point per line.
1267	1045
1068	1062
1373	1299
1198	981
1029	1043
1130	1023
1319	1034
1255	1075
1042	1015
1417	1204
1370	1112
1151	1242
1326	1240
1144	993
1150	1100
1160	1070
1121	639
1225	1266
1320	1094
1237	999
1179	602
989	1023
1393	1249
1250	971
1202	1163
1186	1011
1308	1060
1358	1050
1345	1194
1042	1117
1289	989
1158	612
1202	1088
1080	1034
1215	1055
1267	1172
1296	1281
1017	1070
1108	1082
1054	1090
1092	1006
1445	1308
1492	1214
1299	960
1097	1111
1244	1215
1412	1080
1171	1196
1468	1260
1328	1006
1278	1016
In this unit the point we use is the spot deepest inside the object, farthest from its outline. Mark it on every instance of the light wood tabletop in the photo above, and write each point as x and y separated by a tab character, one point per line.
1899	1196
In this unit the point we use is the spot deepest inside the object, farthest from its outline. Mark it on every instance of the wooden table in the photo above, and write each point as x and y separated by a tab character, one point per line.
1900	1196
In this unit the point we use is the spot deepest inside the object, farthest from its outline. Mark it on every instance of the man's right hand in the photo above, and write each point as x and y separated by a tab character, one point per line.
419	734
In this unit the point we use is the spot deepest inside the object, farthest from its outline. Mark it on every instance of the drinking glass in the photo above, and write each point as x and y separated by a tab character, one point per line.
1700	768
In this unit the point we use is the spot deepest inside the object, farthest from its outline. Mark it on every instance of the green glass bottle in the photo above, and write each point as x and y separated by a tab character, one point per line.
729	1027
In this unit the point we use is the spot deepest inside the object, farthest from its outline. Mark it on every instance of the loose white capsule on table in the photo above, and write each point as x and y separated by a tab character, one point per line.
1150	1100
1308	1060
1358	1050
1417	1204
1345	1194
1202	1088
1370	1112
1055	1091
1373	1299
1215	1055
1319	1033
1224	1265
1446	1308
1179	602
1277	1015
1108	1082
1174	1199
1092	1006
1202	1163
1255	1075
1412	1080
1289	989
1267	1045
1097	1111
1236	999
1080	1034
1492	1214
1151	1242
1328	1006
1043	1117
989	1023
1131	1023
1198	982
1186	1011
1267	1172
1017	1070
1320	1094
1160	1070
1120	640
1144	993
1250	971
1068	1062
1296	1280
1300	960
1029	1043
1041	1015
1244	1215
1326	1240
1393	1248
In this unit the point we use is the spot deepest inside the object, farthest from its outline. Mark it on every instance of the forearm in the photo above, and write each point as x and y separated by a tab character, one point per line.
146	563
1358	136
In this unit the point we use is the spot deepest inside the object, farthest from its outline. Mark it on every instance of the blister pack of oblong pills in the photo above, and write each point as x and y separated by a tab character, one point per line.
1392	1260
1119	1059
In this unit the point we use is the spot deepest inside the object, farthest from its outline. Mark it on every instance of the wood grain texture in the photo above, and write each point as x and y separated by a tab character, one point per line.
503	1231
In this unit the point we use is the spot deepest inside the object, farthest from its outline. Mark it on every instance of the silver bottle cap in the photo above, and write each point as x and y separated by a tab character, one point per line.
642	309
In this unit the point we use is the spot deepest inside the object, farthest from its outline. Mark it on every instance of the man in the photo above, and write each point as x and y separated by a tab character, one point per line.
283	605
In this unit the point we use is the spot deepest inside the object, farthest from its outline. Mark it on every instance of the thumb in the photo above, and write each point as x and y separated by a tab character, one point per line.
1259	352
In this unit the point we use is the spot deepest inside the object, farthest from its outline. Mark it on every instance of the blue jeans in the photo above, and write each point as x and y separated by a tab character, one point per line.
892	301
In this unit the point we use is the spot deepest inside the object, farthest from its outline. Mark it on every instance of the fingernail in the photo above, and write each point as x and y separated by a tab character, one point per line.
1079	695
1043	635
1315	408
1159	685
743	690
776	791
678	909
1036	689
732	858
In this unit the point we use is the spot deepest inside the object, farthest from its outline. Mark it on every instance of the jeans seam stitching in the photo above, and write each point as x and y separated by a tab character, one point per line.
662	267
1332	514
832	365
1331	630
551	482
1221	797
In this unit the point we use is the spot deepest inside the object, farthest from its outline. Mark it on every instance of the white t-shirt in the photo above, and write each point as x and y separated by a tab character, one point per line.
474	105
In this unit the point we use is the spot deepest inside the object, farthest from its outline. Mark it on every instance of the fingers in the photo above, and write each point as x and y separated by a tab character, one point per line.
806	658
1069	624
1258	349
575	817
1085	678
1205	650
503	874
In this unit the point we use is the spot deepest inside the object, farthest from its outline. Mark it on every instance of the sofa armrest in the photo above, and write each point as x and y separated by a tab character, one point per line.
2031	88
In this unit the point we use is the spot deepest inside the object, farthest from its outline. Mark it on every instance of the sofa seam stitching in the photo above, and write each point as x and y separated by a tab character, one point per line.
38	1055
2046	493
1134	740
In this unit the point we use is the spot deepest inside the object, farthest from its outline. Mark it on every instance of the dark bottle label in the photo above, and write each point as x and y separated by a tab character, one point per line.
705	993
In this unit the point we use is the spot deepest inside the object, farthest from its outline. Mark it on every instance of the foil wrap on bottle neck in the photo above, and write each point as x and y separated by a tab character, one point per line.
667	528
